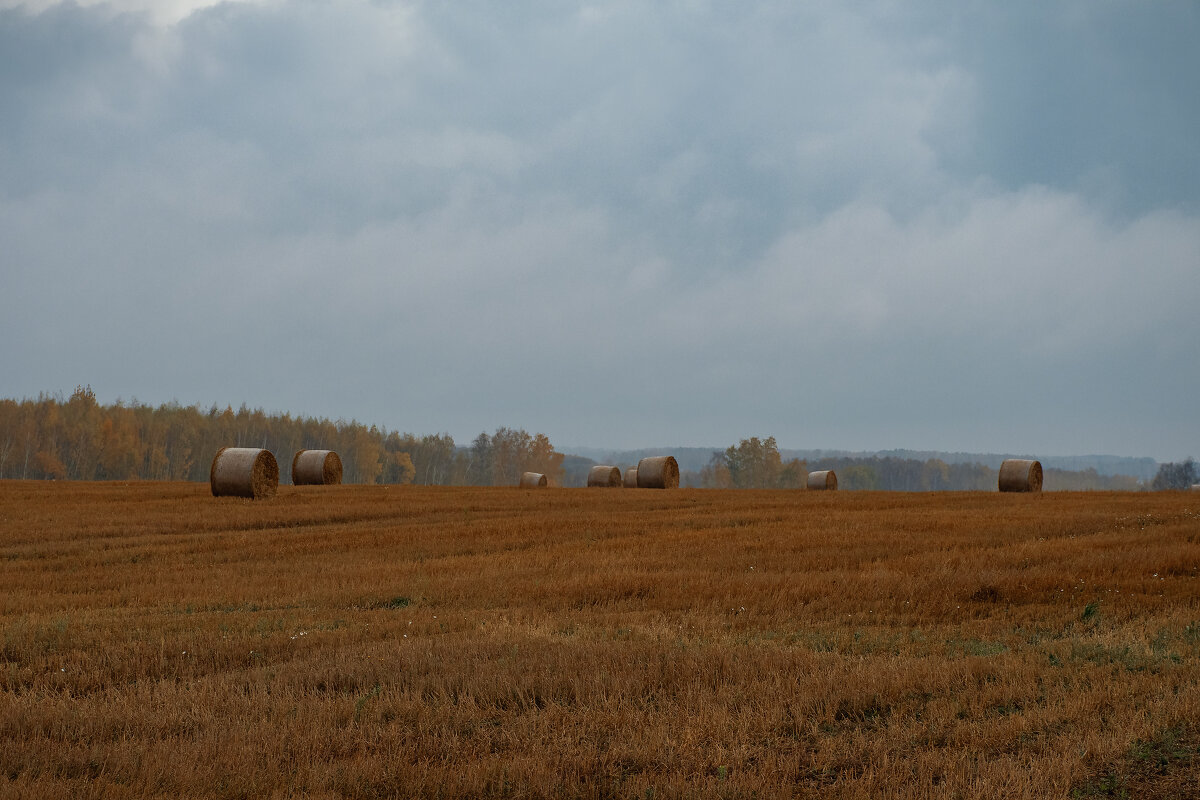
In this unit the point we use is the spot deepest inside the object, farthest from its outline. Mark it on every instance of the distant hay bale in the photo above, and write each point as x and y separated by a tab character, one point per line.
600	475
534	480
316	468
1020	475
244	472
631	478
1196	487
658	472
823	480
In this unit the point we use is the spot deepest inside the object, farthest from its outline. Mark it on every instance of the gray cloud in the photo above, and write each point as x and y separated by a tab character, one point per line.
860	227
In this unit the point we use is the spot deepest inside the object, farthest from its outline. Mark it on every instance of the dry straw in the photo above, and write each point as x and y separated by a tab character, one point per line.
244	472
316	468
534	480
1020	475
658	472
600	475
823	480
631	478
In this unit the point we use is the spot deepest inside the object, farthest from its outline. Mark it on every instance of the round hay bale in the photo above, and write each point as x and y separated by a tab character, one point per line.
823	480
1020	475
631	478
658	472
244	472
600	475
1196	487
316	468
534	480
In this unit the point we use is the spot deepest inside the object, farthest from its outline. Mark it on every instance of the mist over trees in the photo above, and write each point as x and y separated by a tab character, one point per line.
1176	476
752	464
757	464
500	459
79	439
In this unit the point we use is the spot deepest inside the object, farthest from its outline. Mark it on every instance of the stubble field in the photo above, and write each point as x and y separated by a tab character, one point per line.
459	642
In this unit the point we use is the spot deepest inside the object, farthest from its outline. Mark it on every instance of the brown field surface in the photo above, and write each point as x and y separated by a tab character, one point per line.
354	641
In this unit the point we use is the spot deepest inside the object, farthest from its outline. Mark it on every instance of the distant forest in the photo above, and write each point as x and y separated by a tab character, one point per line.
76	438
757	464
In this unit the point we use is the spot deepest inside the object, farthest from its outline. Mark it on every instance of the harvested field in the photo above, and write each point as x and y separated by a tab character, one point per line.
370	641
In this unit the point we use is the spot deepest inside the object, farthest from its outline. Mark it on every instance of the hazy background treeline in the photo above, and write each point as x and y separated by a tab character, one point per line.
76	438
759	464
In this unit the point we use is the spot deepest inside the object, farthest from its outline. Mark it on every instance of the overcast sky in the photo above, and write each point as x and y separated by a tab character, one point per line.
946	225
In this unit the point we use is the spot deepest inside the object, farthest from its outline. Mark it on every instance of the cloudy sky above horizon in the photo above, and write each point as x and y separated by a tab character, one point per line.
947	225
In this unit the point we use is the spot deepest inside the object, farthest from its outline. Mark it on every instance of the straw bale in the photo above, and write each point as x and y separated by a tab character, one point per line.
1196	487
316	468
534	480
658	472
631	478
1020	475
600	475
823	480
244	472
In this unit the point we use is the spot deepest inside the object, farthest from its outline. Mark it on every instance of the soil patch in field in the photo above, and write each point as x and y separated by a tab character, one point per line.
1165	768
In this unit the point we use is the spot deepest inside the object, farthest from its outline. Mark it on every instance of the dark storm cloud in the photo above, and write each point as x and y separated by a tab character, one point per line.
1086	96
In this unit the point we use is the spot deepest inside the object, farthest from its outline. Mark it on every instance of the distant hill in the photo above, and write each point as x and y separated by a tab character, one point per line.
690	459
1141	468
575	470
693	459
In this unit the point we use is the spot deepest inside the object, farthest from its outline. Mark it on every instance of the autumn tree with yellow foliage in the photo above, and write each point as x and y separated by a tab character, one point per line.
77	438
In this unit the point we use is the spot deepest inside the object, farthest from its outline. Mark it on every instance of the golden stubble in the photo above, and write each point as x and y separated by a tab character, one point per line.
407	641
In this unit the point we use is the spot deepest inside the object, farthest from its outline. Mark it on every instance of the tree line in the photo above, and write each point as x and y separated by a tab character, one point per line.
77	438
757	464
1183	475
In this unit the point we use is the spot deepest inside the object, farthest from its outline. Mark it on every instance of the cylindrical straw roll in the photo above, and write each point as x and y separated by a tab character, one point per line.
534	480
823	480
600	475
316	468
658	472
1020	475
244	472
